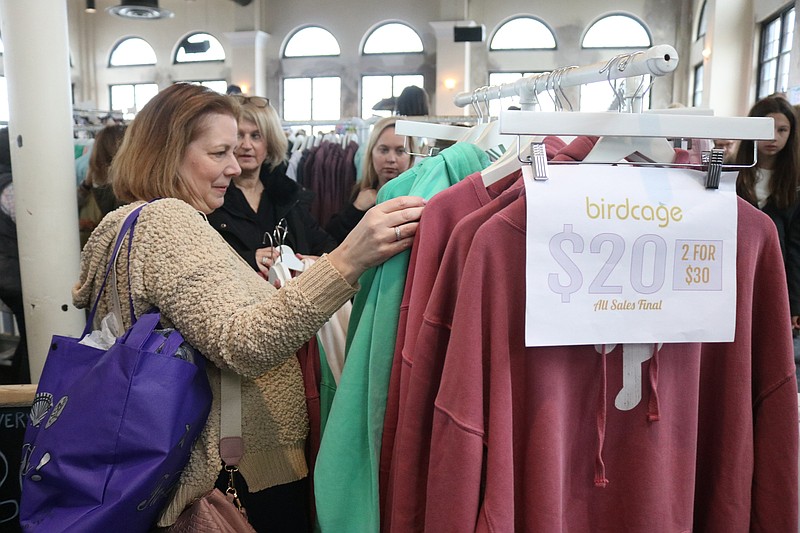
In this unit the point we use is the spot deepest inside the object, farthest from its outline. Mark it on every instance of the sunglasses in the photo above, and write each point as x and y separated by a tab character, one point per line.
258	101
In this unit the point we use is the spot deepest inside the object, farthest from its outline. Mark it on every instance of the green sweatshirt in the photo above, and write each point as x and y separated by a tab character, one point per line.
346	473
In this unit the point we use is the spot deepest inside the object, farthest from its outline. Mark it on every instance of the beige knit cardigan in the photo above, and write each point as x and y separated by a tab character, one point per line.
181	265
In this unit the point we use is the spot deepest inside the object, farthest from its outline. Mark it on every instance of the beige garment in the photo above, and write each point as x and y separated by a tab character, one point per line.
181	265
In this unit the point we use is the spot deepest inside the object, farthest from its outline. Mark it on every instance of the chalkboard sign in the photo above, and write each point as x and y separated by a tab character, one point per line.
15	404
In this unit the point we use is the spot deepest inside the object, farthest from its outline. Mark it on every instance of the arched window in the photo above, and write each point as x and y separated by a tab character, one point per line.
311	41
702	22
392	38
616	31
523	33
199	47
132	51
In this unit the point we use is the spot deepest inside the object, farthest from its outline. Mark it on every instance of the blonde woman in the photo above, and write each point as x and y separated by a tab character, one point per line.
386	158
262	198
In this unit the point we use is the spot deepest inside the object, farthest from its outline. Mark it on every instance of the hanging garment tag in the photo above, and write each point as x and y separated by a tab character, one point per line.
629	255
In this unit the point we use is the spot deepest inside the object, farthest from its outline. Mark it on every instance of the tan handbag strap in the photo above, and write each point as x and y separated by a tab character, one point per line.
231	444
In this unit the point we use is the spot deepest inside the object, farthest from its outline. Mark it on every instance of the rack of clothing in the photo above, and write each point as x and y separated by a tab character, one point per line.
325	163
445	420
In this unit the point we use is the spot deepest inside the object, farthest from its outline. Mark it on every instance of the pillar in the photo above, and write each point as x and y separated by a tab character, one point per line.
36	62
249	61
453	69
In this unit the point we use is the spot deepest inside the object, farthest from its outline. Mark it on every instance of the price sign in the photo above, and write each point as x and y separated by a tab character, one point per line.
629	255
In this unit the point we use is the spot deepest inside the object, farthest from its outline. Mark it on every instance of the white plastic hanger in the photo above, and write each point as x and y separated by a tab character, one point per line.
635	125
614	149
510	161
429	130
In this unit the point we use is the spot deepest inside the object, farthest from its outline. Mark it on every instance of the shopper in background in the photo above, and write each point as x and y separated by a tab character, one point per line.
233	89
10	282
386	158
772	186
180	148
95	194
729	147
262	197
413	101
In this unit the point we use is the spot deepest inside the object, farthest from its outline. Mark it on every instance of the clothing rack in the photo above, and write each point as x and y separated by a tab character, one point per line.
656	61
361	125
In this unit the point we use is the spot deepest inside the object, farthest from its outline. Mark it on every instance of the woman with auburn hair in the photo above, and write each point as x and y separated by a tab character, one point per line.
95	195
180	148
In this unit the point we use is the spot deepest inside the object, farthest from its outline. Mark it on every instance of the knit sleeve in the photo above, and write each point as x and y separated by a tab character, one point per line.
223	308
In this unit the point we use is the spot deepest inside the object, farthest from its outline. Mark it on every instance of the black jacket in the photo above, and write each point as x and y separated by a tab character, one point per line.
282	199
787	222
342	223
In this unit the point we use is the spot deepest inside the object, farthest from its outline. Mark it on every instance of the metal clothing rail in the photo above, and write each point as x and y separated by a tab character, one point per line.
656	61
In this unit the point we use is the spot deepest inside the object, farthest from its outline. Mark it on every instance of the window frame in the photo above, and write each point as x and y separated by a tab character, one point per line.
784	52
123	40
377	27
633	18
311	121
702	22
294	34
698	84
517	17
394	87
196	61
129	84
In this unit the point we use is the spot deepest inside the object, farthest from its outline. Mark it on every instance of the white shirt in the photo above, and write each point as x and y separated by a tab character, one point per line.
762	189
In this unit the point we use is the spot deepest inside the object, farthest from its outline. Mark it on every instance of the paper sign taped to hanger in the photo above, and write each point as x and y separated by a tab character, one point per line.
620	254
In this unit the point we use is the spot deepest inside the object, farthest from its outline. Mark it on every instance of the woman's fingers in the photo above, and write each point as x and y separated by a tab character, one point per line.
385	230
265	258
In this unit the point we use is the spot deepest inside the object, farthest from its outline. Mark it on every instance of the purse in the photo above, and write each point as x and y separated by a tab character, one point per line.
212	512
110	430
215	511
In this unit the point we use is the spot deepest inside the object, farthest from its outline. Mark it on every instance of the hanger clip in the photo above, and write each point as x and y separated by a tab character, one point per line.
539	161
715	160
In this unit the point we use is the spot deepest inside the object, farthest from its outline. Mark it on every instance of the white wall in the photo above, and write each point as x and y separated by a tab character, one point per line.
93	36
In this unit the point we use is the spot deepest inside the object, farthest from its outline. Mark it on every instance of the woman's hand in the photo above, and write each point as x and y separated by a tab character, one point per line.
265	258
366	199
385	230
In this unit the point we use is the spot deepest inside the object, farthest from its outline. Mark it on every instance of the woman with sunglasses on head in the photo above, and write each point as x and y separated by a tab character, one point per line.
262	199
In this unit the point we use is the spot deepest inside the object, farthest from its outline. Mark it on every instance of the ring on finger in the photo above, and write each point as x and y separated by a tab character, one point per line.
397	236
264	259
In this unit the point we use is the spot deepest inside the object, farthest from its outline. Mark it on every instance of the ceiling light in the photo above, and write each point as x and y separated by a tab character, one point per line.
140	9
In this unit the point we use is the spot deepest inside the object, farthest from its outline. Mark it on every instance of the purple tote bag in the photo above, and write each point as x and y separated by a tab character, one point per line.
111	430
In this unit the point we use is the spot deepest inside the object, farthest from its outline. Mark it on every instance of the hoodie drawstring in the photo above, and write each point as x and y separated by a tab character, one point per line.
653	408
600	479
